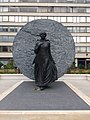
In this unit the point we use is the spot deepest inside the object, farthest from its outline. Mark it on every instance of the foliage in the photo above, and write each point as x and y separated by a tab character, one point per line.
1	64
78	71
81	66
73	65
88	66
9	66
7	71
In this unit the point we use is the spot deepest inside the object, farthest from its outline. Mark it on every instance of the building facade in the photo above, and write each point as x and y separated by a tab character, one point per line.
74	14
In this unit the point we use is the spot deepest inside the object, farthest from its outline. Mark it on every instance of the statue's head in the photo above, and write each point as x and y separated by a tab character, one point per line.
43	35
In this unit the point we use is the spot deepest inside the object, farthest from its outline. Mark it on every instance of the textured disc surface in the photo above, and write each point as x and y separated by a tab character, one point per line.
62	45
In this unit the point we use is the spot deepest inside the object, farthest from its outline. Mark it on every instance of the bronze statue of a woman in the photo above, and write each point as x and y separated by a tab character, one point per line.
45	71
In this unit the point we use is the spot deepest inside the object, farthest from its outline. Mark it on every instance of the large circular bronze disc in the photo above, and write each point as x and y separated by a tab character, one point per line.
62	45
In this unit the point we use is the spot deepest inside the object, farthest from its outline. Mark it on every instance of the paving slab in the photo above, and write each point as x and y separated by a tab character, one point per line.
6	84
82	85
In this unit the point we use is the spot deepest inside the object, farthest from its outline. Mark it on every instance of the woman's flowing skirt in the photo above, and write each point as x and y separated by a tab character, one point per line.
45	71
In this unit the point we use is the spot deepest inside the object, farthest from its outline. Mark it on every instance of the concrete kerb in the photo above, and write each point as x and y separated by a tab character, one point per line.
45	115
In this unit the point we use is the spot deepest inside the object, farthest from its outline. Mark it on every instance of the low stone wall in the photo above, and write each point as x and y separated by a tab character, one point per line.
64	77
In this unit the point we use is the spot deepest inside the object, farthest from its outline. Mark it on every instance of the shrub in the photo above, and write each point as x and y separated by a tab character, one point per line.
9	66
1	64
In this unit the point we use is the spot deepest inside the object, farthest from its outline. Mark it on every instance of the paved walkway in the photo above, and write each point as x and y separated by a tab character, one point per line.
82	85
6	84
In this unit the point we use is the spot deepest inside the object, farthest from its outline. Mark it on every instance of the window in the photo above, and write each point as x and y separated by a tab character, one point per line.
37	17
20	19
88	39
42	17
51	9
61	0
57	9
51	18
82	29
82	49
32	1
0	28
5	29
69	19
78	39
70	1
75	10
88	49
13	9
28	9
16	19
80	1
70	9
5	38
82	19
59	19
88	29
4	0
5	49
55	18
0	9
9	48
5	18
88	10
11	18
11	38
81	10
63	19
88	1
82	39
12	0
24	19
0	38
47	1
5	9
70	29
63	9
12	29
18	28
42	9
77	29
31	18
77	49
8	29
74	29
4	61
88	19
78	19
17	0
75	39
0	18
